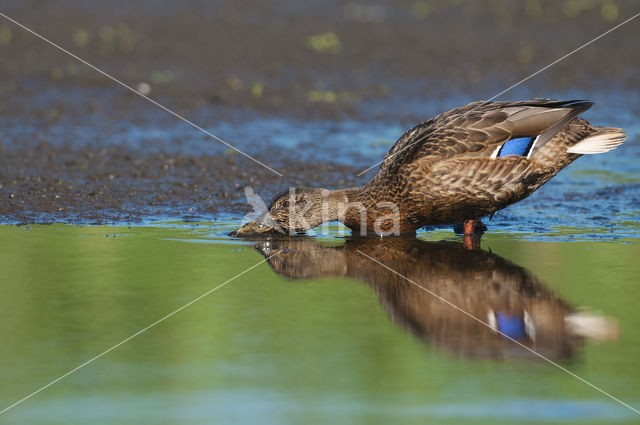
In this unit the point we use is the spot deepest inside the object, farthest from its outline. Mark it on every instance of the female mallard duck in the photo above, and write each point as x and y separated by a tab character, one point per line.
455	168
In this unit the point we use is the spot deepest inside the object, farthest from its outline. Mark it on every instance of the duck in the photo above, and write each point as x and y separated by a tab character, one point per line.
453	169
515	305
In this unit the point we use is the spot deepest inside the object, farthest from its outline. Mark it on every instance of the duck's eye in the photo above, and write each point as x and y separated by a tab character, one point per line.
285	204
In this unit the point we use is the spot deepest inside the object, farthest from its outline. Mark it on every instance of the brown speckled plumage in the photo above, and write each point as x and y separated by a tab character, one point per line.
445	170
441	171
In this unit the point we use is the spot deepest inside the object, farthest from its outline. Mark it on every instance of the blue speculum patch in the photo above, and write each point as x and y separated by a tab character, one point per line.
512	326
519	146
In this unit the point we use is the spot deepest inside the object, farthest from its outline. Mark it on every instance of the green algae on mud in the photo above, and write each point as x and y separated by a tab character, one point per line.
271	349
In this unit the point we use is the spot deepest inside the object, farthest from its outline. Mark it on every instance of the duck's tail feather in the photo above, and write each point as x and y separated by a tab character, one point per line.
603	140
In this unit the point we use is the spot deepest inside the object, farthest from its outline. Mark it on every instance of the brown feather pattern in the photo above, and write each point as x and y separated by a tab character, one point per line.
448	170
441	171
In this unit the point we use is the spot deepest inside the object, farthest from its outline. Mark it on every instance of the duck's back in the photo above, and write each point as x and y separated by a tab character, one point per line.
474	160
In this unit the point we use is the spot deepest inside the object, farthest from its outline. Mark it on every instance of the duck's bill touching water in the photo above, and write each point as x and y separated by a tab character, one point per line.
262	225
461	165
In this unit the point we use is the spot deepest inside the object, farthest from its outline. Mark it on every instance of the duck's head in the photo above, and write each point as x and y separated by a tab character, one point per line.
293	210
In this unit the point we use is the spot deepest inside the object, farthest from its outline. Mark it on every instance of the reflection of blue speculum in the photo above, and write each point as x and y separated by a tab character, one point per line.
511	326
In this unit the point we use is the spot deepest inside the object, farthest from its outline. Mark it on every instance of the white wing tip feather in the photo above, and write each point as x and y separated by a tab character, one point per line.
602	141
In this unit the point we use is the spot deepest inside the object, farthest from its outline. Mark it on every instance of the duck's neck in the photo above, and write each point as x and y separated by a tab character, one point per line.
359	211
348	206
340	201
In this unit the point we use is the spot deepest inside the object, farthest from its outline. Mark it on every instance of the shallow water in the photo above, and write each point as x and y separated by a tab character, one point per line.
321	334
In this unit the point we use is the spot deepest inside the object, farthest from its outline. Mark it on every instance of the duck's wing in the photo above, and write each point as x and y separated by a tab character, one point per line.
488	184
478	129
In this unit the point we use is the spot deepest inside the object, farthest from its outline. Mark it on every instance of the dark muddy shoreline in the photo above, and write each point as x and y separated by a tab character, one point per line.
117	184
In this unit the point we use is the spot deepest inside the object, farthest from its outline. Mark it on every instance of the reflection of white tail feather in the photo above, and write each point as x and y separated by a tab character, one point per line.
604	140
592	326
256	201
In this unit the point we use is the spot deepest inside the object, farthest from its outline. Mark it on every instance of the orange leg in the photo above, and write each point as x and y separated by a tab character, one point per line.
468	227
473	229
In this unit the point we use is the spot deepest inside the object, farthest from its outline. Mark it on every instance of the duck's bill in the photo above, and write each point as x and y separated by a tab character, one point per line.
264	224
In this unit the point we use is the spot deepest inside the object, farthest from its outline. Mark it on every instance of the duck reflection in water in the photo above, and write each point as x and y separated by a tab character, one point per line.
507	297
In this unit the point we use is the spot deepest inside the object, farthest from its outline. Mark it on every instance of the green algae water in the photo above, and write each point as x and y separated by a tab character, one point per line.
318	333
